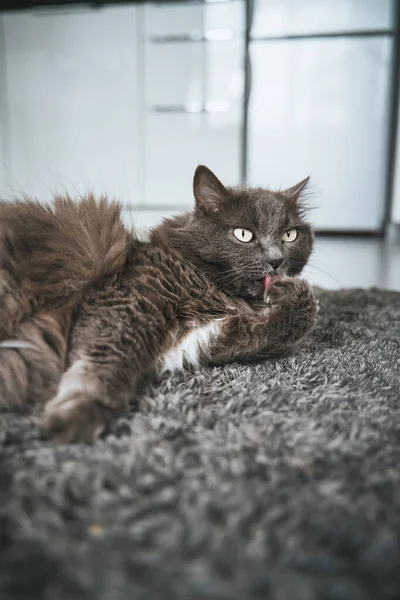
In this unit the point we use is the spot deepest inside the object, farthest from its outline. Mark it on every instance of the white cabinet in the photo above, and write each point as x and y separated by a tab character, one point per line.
395	216
308	17
3	117
72	101
319	107
193	97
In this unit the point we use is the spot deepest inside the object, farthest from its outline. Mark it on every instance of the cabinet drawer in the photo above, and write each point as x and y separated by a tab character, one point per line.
174	74
176	144
197	20
185	73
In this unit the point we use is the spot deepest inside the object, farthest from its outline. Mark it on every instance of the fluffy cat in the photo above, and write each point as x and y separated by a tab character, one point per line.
87	310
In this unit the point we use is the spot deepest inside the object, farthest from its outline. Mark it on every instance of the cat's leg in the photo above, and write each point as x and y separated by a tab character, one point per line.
31	363
114	343
289	314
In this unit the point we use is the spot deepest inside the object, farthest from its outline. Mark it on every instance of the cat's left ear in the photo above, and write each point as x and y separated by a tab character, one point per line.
295	191
208	190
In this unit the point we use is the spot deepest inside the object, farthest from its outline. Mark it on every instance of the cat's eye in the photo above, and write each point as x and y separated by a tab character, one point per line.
243	235
290	235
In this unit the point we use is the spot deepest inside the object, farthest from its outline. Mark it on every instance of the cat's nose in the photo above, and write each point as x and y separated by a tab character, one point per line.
275	262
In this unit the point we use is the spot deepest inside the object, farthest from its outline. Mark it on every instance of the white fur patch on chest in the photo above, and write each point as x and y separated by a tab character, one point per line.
188	349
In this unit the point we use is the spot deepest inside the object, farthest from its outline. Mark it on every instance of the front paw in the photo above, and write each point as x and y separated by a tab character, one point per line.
77	417
292	300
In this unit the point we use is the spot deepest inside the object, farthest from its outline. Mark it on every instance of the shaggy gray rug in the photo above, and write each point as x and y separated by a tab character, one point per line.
279	481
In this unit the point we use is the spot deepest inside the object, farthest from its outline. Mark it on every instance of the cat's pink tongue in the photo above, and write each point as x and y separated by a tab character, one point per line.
267	281
269	278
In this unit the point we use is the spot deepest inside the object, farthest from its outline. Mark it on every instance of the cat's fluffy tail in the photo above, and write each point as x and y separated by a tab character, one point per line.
52	255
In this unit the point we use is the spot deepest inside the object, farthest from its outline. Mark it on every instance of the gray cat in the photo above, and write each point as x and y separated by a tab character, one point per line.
87	310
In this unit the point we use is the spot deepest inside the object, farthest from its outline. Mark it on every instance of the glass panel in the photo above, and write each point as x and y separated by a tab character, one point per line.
188	73
211	139
72	100
292	17
396	191
319	108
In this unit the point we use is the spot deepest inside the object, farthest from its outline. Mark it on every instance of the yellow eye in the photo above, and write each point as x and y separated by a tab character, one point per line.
290	235
243	235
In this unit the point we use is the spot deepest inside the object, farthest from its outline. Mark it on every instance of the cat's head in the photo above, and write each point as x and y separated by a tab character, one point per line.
239	236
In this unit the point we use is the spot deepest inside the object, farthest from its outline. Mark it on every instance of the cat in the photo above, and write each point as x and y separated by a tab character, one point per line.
88	310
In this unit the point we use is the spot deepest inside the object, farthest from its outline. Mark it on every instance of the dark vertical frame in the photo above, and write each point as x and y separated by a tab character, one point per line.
393	122
249	8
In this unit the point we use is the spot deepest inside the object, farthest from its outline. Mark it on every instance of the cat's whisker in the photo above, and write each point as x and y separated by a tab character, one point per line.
227	274
234	279
234	269
323	272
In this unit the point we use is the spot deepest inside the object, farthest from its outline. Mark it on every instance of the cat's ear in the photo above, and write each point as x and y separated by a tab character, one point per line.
208	190
295	190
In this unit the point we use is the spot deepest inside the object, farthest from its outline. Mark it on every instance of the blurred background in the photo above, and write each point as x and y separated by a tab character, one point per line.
128	98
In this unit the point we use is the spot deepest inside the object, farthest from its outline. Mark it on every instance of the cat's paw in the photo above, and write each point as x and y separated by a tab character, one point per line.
292	300
76	417
289	291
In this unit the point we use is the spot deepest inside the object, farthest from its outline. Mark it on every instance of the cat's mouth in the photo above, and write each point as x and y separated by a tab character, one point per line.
269	278
257	289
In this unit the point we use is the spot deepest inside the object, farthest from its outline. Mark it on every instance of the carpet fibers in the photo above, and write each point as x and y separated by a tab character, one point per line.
278	481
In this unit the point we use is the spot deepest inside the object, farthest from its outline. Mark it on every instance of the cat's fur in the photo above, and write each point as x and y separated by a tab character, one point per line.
87	310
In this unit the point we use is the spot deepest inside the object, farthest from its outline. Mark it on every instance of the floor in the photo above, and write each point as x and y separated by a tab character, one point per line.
337	262
276	480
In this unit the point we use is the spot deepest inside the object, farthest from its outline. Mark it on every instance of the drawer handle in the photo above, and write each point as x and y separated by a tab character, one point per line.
213	106
211	35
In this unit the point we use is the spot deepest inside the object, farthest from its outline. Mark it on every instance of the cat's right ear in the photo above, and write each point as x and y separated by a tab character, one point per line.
208	190
295	190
